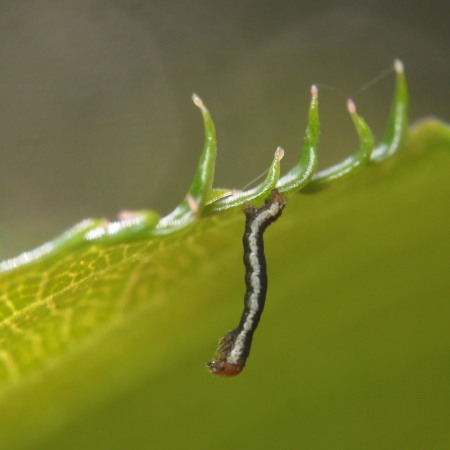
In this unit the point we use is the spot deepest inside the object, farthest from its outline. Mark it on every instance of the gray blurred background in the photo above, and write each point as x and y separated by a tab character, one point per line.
95	109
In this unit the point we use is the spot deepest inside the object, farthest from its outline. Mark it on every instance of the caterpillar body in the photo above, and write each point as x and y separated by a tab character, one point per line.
234	347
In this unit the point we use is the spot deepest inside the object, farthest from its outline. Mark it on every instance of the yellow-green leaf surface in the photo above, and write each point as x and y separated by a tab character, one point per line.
351	352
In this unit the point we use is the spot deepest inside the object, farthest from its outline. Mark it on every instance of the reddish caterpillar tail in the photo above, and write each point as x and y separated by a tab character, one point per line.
220	366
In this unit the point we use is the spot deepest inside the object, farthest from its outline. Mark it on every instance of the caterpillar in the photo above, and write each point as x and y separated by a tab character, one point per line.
234	347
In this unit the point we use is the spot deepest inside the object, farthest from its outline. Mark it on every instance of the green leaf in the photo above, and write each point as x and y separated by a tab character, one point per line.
104	332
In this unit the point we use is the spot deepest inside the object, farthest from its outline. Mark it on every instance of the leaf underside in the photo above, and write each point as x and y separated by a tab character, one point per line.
354	323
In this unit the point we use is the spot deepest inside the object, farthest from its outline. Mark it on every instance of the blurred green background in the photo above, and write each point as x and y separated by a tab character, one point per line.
95	109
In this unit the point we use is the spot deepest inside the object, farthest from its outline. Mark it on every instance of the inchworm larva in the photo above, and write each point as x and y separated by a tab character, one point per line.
234	347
